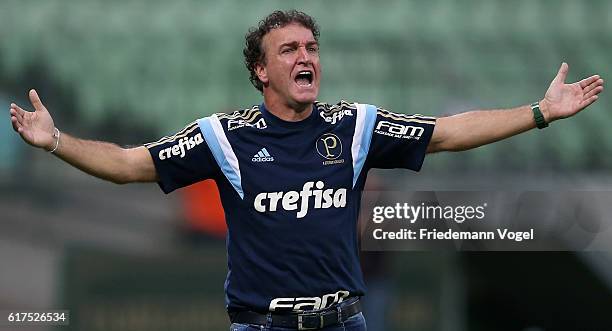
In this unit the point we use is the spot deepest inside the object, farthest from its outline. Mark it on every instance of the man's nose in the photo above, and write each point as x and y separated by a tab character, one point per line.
303	56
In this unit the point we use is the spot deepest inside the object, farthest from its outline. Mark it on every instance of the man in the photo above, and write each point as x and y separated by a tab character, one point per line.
291	170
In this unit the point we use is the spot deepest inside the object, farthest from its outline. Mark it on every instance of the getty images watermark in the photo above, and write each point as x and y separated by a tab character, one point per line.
528	221
404	212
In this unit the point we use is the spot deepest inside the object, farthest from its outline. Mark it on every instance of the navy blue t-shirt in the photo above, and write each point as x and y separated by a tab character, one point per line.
291	192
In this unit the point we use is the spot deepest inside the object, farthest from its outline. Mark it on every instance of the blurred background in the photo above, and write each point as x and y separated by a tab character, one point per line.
131	258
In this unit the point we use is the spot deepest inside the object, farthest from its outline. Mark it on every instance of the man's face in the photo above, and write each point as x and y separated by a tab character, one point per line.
291	70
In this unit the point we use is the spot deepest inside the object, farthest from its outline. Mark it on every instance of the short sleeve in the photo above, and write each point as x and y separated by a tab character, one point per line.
399	140
182	159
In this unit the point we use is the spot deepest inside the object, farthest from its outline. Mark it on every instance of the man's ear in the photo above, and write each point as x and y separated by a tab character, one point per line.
262	73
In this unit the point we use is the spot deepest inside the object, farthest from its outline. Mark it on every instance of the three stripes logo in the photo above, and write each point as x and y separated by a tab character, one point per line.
262	156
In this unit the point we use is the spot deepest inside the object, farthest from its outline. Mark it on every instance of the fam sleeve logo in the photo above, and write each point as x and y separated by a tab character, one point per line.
402	126
396	130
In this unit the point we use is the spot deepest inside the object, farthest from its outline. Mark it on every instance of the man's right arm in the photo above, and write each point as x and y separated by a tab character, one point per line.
101	159
107	161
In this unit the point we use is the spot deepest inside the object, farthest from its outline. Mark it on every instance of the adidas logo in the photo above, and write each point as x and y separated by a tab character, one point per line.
262	156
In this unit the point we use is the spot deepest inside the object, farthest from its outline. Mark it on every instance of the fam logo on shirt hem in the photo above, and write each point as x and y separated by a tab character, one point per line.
329	146
308	303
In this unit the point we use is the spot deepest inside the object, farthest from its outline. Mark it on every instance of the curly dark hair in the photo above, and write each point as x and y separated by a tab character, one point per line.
253	50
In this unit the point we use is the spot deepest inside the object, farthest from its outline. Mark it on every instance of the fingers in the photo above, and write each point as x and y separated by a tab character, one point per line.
17	126
592	86
593	92
588	81
596	85
585	103
560	78
20	112
17	117
35	100
15	114
14	122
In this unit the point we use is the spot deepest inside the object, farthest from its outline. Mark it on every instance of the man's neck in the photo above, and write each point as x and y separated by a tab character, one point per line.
286	112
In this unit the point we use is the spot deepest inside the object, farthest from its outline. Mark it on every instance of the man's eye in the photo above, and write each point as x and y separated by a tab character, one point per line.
286	50
313	49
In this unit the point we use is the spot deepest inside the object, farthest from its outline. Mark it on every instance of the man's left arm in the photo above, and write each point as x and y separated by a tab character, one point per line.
476	128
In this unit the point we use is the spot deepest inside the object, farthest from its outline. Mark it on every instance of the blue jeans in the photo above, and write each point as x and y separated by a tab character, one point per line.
353	323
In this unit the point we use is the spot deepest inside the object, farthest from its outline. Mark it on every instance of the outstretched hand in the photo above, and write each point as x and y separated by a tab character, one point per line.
564	100
36	128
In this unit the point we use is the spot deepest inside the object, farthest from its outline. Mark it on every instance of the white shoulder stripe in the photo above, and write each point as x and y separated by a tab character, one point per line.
364	127
222	151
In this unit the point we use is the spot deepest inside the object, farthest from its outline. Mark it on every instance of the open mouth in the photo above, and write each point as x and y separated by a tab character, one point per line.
304	78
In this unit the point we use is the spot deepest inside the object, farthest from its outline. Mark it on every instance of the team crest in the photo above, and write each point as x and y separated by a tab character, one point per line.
329	146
